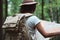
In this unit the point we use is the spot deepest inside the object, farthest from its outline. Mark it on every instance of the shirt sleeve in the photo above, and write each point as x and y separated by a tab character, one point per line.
35	20
32	21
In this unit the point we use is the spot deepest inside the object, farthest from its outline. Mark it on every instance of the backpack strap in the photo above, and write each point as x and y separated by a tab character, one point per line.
27	15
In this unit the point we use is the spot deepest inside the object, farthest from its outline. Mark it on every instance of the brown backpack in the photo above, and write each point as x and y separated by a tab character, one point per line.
15	27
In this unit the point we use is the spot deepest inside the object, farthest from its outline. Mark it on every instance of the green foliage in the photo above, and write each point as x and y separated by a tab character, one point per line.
15	7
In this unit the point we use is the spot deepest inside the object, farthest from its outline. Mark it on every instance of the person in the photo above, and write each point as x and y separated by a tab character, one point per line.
33	22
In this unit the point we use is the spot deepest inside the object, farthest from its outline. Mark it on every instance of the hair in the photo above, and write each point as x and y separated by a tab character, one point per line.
27	8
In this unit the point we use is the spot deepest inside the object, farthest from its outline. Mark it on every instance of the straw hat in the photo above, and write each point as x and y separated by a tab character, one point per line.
28	2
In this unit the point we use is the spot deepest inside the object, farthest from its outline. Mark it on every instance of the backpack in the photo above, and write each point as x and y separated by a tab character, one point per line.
16	28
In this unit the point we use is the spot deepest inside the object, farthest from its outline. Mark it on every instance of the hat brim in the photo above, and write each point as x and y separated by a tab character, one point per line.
30	3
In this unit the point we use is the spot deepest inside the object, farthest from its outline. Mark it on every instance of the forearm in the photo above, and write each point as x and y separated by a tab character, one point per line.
51	34
44	33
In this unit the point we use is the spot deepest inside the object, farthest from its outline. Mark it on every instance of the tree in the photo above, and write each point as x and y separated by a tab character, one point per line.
1	13
50	10
43	9
6	8
57	12
5	14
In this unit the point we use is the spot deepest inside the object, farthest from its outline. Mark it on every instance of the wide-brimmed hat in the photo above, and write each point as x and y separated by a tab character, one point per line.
28	2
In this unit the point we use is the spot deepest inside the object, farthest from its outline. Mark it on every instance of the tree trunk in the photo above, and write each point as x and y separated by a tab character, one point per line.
5	14
57	20
57	13
1	13
43	9
50	10
6	8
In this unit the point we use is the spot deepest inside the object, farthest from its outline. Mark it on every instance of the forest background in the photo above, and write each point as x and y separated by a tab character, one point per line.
46	10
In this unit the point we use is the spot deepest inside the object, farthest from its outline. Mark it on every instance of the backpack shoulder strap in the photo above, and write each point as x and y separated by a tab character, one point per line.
24	15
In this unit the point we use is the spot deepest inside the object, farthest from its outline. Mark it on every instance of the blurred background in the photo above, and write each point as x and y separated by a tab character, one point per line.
46	9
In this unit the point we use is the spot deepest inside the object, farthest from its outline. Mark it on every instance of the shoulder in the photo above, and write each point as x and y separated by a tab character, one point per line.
33	17
34	20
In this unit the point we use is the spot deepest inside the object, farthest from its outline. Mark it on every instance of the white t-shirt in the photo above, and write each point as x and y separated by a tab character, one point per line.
31	23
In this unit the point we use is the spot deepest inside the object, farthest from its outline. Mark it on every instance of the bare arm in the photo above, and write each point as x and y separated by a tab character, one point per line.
42	31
